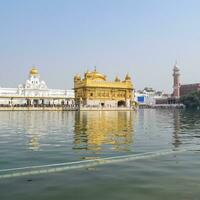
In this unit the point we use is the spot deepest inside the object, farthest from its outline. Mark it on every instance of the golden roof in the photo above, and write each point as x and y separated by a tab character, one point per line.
95	75
34	71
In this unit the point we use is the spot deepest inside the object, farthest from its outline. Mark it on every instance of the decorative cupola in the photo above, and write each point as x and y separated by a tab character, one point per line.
117	79
77	77
127	78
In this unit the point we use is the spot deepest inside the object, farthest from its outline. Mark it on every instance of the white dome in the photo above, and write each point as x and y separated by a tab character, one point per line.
176	67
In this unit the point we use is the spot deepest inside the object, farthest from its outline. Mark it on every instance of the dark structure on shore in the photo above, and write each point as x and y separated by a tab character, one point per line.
188	88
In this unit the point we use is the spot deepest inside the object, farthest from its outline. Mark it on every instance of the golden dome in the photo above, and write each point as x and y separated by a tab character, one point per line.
95	75
34	71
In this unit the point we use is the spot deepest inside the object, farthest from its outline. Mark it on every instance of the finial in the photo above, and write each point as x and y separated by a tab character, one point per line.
95	68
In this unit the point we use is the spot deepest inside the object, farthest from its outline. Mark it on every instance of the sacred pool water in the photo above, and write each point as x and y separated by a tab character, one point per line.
149	154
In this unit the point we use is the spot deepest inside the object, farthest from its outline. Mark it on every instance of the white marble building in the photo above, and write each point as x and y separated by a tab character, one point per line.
148	96
35	92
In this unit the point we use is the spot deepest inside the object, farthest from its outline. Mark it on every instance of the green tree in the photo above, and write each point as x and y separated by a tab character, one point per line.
191	100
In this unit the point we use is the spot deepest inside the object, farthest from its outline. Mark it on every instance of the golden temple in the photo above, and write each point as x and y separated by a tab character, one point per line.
94	91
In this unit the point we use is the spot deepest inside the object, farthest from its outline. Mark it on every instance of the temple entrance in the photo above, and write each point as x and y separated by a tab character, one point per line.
102	104
35	102
121	104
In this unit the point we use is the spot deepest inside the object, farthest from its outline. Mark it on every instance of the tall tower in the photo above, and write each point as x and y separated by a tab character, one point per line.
176	85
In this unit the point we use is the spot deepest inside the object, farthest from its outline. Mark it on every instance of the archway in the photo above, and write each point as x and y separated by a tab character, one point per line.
121	103
35	102
28	102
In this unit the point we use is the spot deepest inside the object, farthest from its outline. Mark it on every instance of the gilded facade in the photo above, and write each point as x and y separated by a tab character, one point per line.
93	90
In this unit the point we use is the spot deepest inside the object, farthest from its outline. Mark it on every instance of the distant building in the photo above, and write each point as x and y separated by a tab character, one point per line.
188	88
176	82
34	93
94	91
182	89
174	98
151	97
179	89
148	96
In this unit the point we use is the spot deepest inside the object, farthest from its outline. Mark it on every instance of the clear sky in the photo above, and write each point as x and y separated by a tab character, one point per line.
65	37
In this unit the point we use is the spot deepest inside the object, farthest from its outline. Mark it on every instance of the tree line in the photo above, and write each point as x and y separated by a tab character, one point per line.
191	100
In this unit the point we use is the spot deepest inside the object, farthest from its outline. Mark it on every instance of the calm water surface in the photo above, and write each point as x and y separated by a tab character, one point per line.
40	138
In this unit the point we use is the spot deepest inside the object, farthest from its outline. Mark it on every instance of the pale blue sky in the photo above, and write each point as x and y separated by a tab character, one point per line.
65	37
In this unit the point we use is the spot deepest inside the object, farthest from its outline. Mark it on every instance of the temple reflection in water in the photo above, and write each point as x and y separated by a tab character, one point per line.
98	131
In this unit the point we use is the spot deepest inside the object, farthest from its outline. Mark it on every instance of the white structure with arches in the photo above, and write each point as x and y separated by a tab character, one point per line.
35	93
